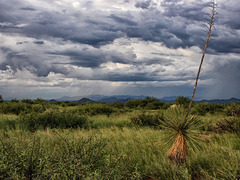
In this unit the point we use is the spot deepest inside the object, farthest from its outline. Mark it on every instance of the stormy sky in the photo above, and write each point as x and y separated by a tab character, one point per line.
50	49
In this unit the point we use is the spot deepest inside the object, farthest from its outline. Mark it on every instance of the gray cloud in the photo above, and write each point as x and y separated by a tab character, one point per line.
172	27
38	42
58	38
27	9
143	4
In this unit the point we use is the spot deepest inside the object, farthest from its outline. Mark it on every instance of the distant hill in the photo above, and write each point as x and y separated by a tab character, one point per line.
126	98
168	99
52	100
85	100
114	99
109	99
221	101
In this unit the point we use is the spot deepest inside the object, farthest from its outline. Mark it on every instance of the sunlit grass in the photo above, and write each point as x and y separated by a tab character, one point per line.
104	121
131	153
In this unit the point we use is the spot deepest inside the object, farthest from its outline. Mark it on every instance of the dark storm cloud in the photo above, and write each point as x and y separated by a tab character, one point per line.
171	27
179	25
94	58
103	28
127	77
164	62
140	76
229	13
83	58
143	4
20	61
191	11
123	20
27	9
38	42
225	79
228	71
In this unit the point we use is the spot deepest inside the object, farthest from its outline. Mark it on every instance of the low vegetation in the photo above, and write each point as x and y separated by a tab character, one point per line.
68	140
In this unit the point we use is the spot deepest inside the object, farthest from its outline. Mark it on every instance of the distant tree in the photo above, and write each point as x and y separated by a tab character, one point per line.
1	99
39	101
28	101
14	100
181	100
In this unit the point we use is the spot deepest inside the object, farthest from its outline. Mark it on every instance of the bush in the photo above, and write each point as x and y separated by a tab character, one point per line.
27	101
232	109
204	108
34	121
144	119
147	103
13	107
183	101
231	125
99	108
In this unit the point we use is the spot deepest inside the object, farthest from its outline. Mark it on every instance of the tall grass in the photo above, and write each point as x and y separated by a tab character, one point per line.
111	153
114	120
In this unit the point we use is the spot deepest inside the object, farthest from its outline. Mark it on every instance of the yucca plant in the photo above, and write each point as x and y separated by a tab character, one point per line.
177	122
180	132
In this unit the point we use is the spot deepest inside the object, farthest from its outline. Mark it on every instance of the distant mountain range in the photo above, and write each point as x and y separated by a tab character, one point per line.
221	101
125	98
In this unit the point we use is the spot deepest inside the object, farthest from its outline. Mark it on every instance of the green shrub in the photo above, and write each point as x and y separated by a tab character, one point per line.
13	107
183	101
204	108
147	103
232	109
51	119
144	119
27	101
97	108
231	125
1	99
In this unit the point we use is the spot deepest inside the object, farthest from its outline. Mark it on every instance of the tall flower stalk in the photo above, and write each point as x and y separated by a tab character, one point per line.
203	55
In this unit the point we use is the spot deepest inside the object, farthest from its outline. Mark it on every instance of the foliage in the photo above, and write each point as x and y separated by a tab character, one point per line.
231	125
1	99
53	119
15	107
97	108
147	103
14	100
39	101
232	109
144	119
204	108
65	158
28	101
183	101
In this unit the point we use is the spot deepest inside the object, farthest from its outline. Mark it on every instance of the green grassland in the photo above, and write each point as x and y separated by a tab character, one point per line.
65	140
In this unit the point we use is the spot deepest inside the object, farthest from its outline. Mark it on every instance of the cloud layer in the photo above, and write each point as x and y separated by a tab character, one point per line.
69	47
